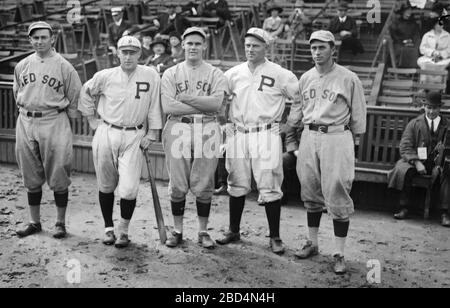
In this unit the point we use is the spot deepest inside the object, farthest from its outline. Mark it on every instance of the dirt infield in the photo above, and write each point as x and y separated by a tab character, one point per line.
412	253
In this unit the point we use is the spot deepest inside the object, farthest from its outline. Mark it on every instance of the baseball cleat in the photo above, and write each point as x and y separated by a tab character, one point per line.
229	237
174	240
445	220
339	264
30	229
276	244
122	241
307	251
403	214
60	230
205	240
109	238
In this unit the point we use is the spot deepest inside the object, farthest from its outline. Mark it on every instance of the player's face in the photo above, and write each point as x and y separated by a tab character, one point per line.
321	52
129	58
193	46
255	50
432	111
42	40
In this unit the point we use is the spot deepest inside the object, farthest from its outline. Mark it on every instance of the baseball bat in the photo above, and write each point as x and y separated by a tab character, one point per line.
156	203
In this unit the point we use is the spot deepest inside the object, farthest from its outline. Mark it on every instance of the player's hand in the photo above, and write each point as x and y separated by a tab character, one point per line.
296	153
420	167
94	122
146	142
275	129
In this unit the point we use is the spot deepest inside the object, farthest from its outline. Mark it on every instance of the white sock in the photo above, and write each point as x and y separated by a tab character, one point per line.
109	229
123	226
314	236
340	245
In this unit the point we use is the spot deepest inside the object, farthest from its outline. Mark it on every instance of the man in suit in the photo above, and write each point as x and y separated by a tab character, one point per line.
117	27
172	21
344	28
421	148
216	8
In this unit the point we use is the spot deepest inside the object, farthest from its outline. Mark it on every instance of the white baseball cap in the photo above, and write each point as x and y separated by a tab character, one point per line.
194	30
322	35
128	42
39	25
116	10
260	34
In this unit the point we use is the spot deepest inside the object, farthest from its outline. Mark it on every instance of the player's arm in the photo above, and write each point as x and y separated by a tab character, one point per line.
358	112
72	88
212	103
154	118
295	116
16	83
90	92
170	104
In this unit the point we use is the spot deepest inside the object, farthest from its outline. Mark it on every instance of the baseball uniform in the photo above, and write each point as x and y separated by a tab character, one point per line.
326	164
128	106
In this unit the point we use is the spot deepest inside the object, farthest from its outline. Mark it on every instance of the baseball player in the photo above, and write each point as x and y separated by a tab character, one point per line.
130	116
333	111
46	89
260	89
192	93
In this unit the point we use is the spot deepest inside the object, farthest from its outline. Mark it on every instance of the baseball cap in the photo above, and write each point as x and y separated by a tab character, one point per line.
194	30
322	35
116	10
39	25
260	34
128	42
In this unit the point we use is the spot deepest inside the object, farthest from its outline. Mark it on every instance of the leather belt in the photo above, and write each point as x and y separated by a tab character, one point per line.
193	119
39	114
324	129
140	126
254	129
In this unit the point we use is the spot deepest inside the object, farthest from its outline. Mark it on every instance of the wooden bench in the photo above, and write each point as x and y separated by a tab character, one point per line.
377	150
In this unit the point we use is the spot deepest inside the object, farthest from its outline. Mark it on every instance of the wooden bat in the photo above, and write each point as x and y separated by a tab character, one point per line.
156	203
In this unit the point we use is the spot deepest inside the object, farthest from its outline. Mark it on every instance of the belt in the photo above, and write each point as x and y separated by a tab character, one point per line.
193	119
40	114
254	129
324	129
124	127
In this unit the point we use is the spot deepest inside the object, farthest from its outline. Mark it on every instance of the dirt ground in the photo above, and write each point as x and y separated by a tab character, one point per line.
412	253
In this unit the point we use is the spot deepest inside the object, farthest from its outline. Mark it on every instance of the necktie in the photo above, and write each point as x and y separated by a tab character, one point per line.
432	127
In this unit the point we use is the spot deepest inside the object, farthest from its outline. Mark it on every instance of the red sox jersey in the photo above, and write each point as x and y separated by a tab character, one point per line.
49	83
335	98
124	100
260	97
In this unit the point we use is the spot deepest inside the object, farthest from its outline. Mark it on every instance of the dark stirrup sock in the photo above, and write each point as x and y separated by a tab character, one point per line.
314	219
273	212
236	210
106	205
34	199
127	208
341	228
61	199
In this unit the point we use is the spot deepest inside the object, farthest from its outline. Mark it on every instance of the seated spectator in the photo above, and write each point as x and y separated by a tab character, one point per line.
160	60
421	148
274	24
405	35
147	51
435	48
437	10
297	22
176	50
344	28
215	8
171	21
117	27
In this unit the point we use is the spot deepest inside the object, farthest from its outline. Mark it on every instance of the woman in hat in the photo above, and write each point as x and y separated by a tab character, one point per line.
274	24
176	51
161	59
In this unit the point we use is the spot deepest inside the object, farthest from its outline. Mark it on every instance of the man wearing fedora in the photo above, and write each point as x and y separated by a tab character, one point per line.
117	27
421	145
344	28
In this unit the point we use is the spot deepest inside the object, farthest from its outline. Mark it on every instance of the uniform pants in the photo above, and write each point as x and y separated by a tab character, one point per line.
326	169
118	160
192	152
259	153
44	151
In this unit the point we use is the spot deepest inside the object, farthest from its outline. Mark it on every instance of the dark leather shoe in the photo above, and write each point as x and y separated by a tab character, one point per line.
60	230
339	264
30	229
307	251
229	237
222	189
445	220
402	214
122	241
174	240
109	238
276	244
205	240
